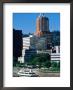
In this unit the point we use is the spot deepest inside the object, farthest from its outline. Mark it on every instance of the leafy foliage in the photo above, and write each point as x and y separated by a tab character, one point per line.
41	60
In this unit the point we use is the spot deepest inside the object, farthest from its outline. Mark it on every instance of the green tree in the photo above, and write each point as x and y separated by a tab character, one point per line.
47	64
41	60
54	64
58	64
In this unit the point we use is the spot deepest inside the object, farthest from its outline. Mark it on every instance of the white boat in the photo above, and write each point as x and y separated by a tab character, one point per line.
27	73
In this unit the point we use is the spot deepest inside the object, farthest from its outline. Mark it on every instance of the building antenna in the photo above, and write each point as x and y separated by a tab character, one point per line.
40	15
43	14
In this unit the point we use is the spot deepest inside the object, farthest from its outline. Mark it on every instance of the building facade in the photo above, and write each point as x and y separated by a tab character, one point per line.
28	48
17	44
42	25
55	54
55	37
42	29
29	53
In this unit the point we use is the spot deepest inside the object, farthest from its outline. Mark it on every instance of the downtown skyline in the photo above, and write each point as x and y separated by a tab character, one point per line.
27	21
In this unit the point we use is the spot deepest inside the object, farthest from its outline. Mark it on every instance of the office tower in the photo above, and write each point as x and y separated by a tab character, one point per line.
17	44
41	43
25	46
42	25
55	36
42	29
28	48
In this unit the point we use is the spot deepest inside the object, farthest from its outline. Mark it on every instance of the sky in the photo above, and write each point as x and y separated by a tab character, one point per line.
27	21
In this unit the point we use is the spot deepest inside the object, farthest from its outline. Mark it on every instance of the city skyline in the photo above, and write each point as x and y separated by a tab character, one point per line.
27	21
39	49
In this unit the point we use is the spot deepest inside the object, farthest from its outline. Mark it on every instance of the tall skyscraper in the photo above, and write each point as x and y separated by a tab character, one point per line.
17	45
42	25
42	29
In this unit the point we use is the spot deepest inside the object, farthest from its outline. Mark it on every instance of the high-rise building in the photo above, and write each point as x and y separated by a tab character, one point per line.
42	25
28	54
41	43
26	45
42	29
17	44
55	36
28	48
